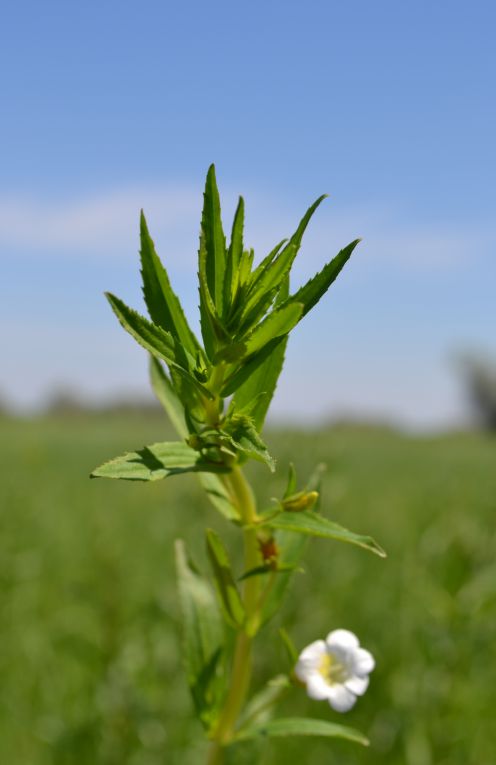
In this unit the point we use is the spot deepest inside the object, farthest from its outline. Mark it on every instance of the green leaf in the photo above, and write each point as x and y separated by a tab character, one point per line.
312	291
245	438
219	495
290	647
263	265
256	391
215	241
268	569
308	522
240	375
167	396
292	548
302	726
213	330
155	462
231	278
203	634
230	600
155	340
163	305
260	707
272	276
291	486
278	323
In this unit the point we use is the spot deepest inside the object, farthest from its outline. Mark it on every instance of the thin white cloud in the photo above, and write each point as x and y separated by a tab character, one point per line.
106	225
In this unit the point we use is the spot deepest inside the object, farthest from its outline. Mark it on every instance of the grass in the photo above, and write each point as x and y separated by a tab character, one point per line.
90	660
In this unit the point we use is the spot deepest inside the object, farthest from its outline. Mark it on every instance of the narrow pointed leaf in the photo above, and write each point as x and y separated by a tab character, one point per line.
291	486
166	394
271	276
302	726
219	496
162	303
259	387
154	339
315	288
213	330
244	372
260	707
268	569
265	263
152	463
233	257
244	436
203	632
313	524
215	242
229	598
278	323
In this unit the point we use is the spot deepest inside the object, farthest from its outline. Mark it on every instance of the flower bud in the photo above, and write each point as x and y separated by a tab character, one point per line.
303	500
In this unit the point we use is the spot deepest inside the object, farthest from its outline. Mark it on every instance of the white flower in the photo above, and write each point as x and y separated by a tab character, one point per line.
335	669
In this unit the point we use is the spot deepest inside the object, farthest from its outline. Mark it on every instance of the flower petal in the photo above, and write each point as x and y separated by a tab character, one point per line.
340	698
309	659
317	688
357	685
363	662
342	639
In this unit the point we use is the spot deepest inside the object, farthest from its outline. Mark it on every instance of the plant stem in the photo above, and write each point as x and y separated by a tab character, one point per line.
241	667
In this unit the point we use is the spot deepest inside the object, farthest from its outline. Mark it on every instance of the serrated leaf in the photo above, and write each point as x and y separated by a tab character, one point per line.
245	438
213	330
315	288
243	373
163	304
203	634
276	324
229	597
164	391
302	726
263	265
234	254
248	395
152	463
154	339
313	524
215	241
272	275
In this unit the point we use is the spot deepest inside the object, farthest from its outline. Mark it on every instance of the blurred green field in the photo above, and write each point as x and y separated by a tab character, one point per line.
90	662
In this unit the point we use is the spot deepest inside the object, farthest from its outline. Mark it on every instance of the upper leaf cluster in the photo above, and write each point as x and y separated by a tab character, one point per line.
246	315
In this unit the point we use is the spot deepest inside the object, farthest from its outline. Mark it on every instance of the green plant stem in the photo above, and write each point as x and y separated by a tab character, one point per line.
242	662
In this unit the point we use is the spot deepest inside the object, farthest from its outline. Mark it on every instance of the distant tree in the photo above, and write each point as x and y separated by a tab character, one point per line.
479	374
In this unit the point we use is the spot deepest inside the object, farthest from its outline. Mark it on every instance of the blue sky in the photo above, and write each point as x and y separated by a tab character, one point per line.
389	107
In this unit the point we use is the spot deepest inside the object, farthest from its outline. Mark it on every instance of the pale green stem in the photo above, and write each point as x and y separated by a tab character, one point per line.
241	667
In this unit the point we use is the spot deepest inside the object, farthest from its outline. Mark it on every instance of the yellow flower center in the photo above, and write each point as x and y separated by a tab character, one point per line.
331	670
